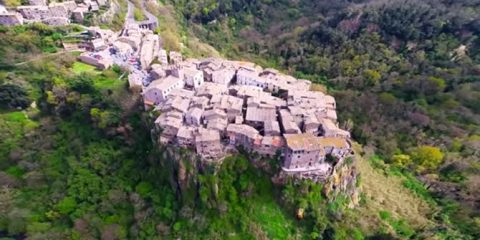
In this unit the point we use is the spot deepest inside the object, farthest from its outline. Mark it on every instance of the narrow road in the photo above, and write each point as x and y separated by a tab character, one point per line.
129	17
151	18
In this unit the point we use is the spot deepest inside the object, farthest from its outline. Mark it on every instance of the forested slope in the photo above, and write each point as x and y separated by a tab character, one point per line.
77	159
405	75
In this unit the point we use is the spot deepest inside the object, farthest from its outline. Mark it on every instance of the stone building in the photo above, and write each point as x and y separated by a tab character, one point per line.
302	151
100	61
288	124
58	10
192	77
175	57
38	2
256	117
135	80
194	116
79	14
159	89
330	129
208	145
36	13
336	146
149	49
201	102
271	128
169	124
270	145
223	76
11	18
233	106
250	78
162	57
186	136
244	135
122	49
213	114
56	21
158	71
311	124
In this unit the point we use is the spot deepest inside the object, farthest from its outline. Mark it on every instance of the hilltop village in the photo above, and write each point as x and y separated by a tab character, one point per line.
214	106
53	13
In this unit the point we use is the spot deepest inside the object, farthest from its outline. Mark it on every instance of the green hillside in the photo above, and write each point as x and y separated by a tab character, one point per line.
77	159
404	74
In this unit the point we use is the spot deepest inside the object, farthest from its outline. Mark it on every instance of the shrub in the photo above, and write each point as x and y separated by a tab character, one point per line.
426	158
401	160
384	215
13	96
82	84
66	205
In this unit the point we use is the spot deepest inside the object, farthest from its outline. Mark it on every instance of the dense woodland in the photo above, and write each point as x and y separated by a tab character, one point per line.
405	74
77	159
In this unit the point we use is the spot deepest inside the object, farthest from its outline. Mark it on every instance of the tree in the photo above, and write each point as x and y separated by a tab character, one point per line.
13	96
17	220
104	119
426	158
433	85
371	77
82	84
331	159
66	205
401	160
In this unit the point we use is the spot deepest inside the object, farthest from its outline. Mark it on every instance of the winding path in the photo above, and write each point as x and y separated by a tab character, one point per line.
129	17
151	19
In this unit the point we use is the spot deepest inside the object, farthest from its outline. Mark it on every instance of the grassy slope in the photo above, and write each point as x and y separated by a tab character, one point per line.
14	126
387	193
249	212
383	192
266	220
79	67
266	214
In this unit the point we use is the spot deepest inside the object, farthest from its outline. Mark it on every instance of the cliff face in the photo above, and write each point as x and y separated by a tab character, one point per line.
114	9
187	168
184	168
344	180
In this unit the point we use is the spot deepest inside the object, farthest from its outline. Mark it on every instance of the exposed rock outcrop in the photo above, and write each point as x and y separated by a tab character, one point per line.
344	180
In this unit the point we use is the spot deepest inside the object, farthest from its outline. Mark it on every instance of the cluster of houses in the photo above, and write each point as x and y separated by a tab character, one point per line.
214	105
50	13
135	48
